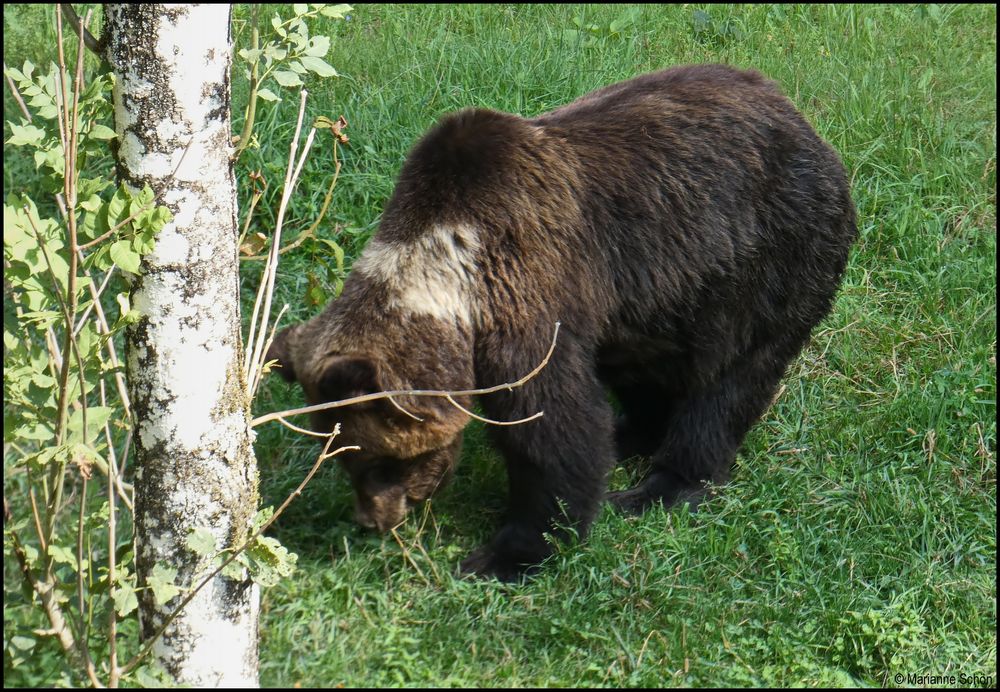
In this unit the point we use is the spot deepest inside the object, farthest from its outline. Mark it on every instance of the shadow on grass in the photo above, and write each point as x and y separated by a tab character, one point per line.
319	524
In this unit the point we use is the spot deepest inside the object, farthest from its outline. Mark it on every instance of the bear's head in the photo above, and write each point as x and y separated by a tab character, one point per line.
409	445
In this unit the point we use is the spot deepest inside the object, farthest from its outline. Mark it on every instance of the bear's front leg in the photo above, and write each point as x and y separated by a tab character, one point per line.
557	465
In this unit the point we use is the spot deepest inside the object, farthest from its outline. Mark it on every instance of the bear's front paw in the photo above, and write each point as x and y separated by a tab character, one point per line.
515	551
486	563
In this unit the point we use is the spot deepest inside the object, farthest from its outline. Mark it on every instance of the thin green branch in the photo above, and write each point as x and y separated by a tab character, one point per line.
251	111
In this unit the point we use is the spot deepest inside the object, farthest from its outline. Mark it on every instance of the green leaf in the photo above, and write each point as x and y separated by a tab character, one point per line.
925	79
144	243
97	416
251	55
100	259
37	431
267	95
153	676
625	20
318	46
92	203
42	380
125	257
315	293
276	23
118	206
125	599
31	554
287	79
702	21
16	75
61	554
161	581
298	32
270	561
89	223
87	338
22	643
319	66
300	8
201	541
25	134
98	131
92	186
338	252
262	516
18	238
45	456
47	110
161	217
123	303
144	198
98	519
297	38
51	157
336	11
273	52
234	570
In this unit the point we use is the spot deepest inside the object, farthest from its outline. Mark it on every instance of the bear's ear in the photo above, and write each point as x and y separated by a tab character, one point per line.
281	351
344	377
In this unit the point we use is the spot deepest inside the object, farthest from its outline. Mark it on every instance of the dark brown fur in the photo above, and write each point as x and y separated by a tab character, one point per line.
688	228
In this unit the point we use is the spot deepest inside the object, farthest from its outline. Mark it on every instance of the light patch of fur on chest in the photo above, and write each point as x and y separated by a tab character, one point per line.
434	275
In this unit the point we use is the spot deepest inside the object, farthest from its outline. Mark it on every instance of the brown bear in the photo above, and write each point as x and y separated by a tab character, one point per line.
687	228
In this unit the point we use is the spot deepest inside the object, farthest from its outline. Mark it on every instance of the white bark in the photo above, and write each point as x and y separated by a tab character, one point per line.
196	465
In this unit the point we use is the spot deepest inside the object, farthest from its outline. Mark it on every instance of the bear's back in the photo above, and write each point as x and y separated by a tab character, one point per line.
693	193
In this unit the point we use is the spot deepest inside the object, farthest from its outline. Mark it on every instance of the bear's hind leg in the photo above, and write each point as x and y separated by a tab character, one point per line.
702	437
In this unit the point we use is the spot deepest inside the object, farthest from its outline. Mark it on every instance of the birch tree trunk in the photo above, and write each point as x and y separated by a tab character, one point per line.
196	465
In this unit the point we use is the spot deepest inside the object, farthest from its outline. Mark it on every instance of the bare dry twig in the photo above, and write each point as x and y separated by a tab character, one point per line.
253	363
94	44
423	392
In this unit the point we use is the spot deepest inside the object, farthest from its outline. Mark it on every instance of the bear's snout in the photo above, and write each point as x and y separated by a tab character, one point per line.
382	512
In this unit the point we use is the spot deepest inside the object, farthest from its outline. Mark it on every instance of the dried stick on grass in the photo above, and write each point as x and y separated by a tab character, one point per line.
449	395
408	558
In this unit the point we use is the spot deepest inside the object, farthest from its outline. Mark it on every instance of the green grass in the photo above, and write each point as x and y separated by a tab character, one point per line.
857	540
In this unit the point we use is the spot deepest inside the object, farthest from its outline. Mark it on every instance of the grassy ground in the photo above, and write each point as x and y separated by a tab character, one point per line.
857	541
858	538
